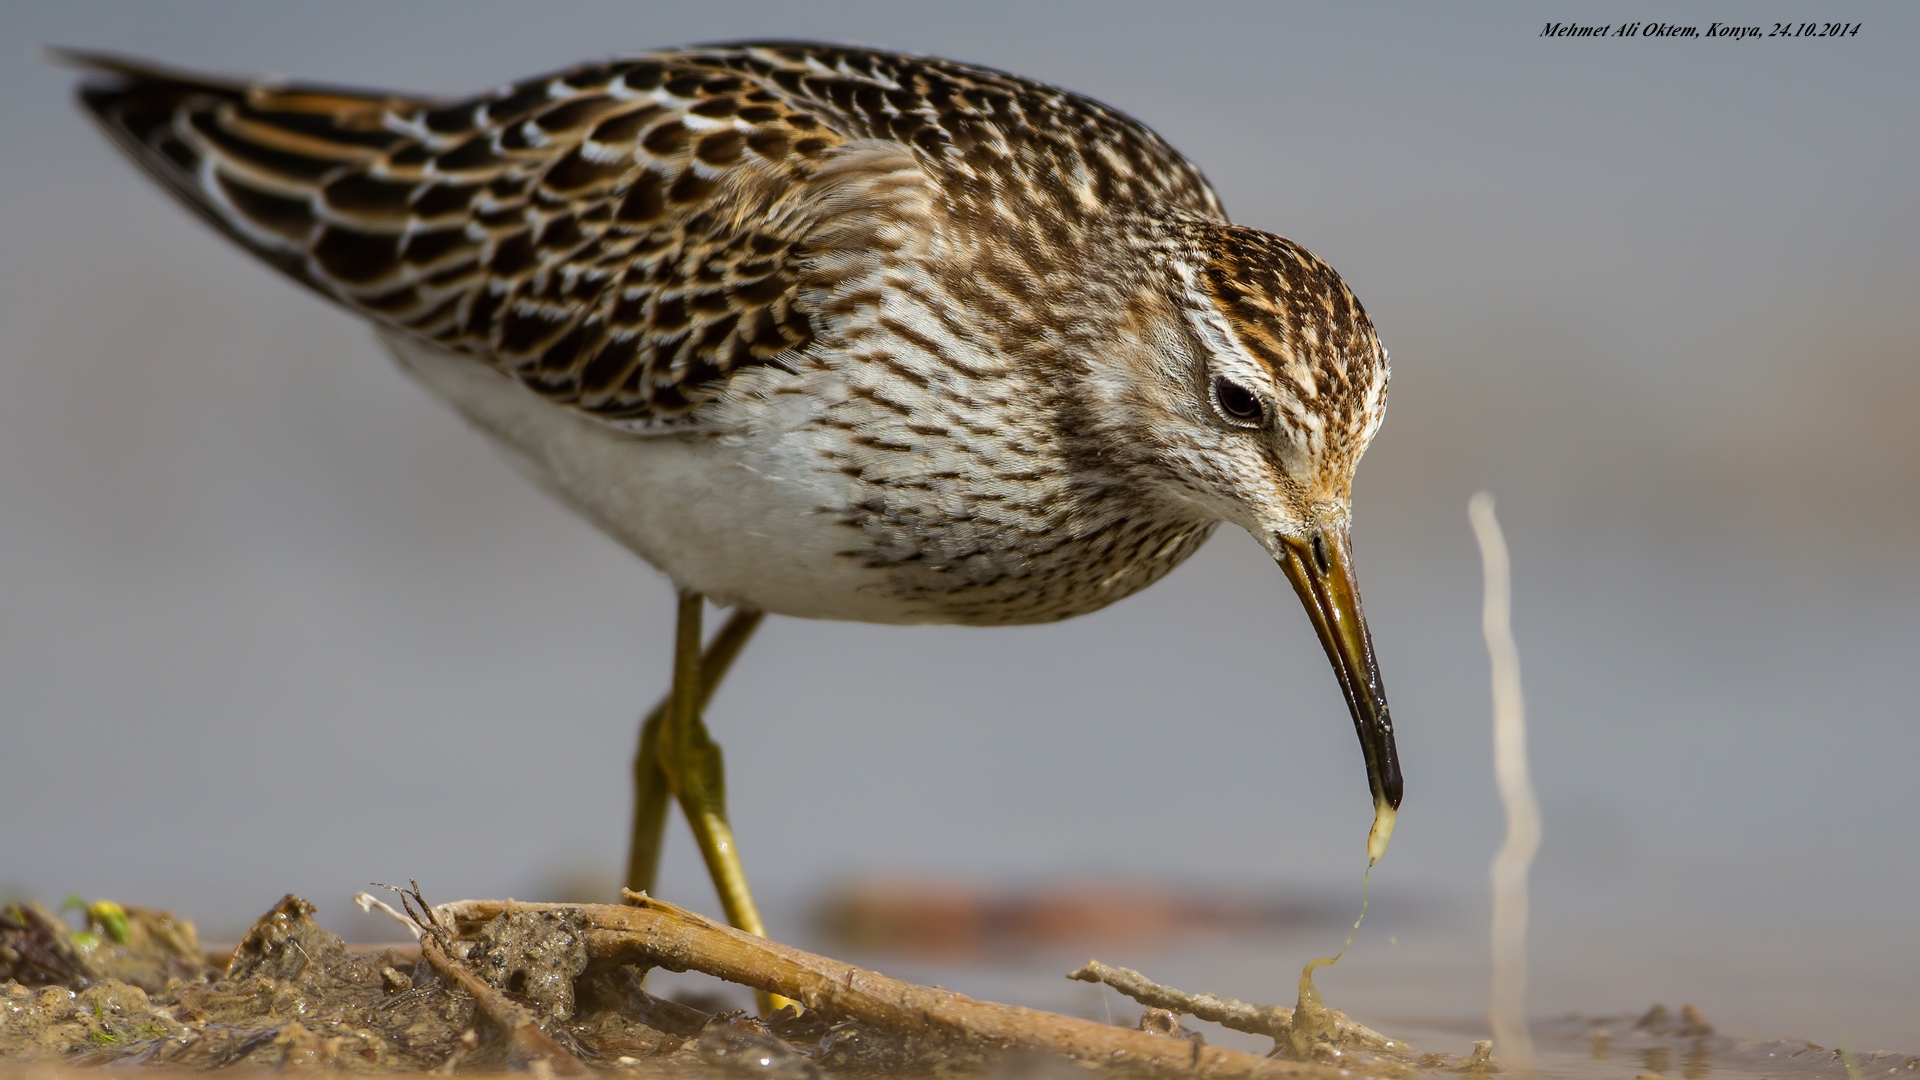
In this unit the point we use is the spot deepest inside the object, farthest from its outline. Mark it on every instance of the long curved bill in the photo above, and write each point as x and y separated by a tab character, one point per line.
1320	566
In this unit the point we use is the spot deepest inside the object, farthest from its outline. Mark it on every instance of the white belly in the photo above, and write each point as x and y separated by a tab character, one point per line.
741	519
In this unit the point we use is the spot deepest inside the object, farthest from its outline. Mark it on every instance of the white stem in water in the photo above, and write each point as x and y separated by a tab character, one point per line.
1507	1002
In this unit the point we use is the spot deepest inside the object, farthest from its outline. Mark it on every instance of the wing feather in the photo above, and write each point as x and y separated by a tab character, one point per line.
620	236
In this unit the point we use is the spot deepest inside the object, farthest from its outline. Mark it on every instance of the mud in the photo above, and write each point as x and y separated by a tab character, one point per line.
293	995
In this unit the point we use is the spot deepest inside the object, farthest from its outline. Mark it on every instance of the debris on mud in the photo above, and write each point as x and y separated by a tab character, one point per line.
291	994
559	990
536	955
544	988
138	946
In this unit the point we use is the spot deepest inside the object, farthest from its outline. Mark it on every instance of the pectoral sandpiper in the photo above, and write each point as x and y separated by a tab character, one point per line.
822	331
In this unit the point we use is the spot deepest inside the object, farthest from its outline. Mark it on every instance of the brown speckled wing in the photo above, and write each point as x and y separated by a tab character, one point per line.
592	232
560	229
984	133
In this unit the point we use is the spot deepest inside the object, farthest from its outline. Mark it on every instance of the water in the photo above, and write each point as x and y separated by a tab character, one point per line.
1417	990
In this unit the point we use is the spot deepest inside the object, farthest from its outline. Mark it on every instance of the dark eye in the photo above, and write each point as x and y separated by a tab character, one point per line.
1240	404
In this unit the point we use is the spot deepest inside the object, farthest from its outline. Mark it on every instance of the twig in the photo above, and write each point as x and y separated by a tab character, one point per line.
369	903
658	934
1273	1021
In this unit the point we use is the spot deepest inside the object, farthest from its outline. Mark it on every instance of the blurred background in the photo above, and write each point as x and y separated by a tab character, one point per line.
272	619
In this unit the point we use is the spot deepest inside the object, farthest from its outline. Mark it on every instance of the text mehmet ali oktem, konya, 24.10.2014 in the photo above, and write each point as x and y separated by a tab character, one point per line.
1713	30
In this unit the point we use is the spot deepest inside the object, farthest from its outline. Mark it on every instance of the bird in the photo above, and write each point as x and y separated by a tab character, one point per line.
821	331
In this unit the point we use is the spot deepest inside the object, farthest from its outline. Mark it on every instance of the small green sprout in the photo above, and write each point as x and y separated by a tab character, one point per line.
112	918
104	1038
84	941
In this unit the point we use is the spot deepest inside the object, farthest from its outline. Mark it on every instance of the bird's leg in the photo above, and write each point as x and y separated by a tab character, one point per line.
650	788
691	761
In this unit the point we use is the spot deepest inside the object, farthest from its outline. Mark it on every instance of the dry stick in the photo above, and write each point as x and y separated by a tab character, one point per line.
1273	1021
658	934
1507	999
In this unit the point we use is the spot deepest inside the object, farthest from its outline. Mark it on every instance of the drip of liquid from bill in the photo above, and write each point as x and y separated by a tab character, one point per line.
1384	817
1312	1020
1310	995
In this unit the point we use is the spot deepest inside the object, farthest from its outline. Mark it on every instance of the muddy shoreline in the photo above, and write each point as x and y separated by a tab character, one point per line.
499	987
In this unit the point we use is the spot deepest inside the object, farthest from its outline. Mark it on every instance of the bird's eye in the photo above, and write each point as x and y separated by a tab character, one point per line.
1237	403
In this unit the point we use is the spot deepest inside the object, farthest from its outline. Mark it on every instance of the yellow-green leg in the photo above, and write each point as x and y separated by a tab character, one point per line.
651	791
675	747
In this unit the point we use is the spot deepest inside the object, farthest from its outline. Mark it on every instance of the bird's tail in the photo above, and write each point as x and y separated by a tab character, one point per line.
250	158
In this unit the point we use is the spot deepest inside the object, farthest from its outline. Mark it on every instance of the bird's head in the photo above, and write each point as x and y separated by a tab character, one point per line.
1264	383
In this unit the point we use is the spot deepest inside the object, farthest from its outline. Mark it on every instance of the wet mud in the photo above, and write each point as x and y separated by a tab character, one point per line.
292	995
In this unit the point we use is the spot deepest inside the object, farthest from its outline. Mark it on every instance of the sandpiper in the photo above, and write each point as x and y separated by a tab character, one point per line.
828	332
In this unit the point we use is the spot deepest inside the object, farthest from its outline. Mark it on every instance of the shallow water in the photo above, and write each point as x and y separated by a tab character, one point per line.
1574	1046
1433	1012
1418	971
1613	1048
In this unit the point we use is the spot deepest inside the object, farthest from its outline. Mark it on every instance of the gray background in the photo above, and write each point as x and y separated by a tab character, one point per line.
271	619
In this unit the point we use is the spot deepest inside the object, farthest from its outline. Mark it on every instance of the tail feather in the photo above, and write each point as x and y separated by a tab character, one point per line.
248	158
579	230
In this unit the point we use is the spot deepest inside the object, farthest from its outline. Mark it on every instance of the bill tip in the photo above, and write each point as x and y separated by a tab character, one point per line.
1384	816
